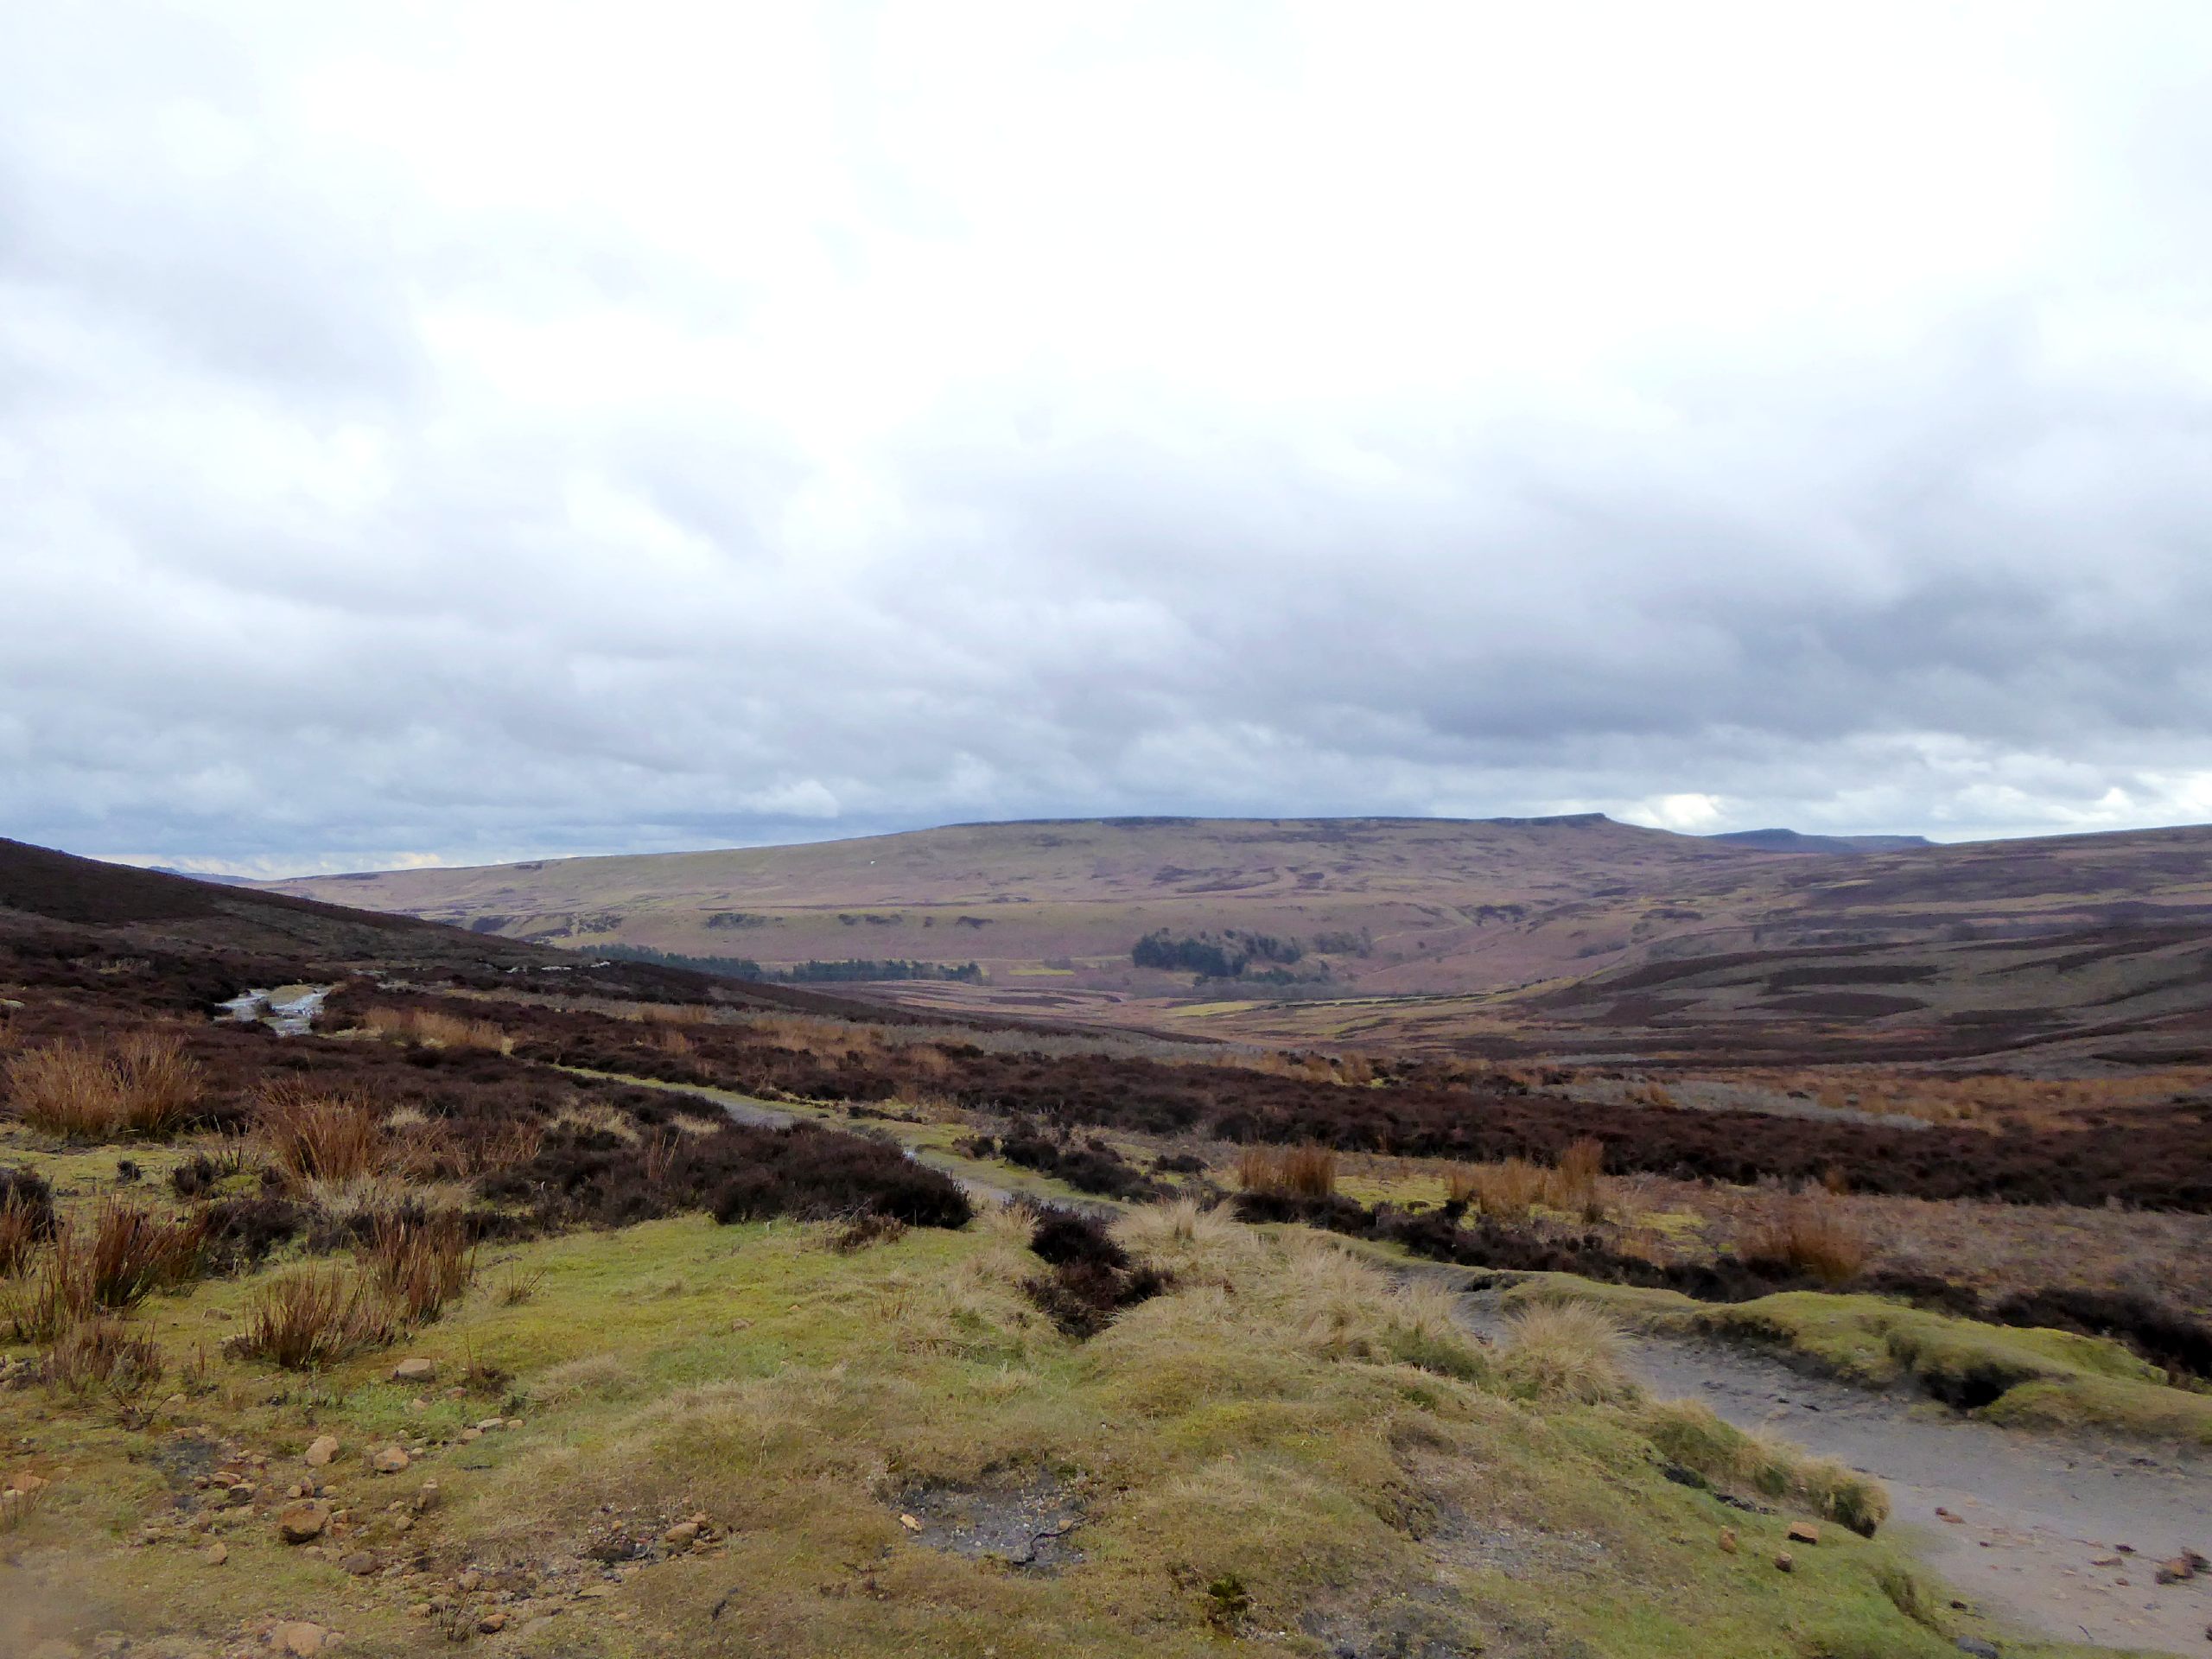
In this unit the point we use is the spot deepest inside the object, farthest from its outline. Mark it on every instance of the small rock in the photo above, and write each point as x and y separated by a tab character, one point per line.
488	1424
909	1523
415	1369
240	1496
321	1450
426	1497
299	1638
492	1623
216	1553
1728	1540
1942	1514
388	1461
2106	1560
2179	1570
1977	1647
682	1536
469	1435
469	1580
1785	1561
297	1522
1803	1531
360	1564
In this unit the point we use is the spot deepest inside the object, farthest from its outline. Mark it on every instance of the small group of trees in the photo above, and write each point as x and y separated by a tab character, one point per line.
803	972
1230	954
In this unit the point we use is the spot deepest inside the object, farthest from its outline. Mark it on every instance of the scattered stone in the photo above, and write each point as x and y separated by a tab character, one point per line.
1785	1561
1728	1540
415	1369
388	1461
321	1450
360	1564
1977	1647
682	1536
428	1497
909	1523
1942	1514
297	1522
1803	1531
492	1624
488	1424
2106	1560
216	1553
471	1434
299	1638
239	1496
2179	1570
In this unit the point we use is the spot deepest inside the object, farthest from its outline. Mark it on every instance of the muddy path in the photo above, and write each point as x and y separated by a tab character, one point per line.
2061	1537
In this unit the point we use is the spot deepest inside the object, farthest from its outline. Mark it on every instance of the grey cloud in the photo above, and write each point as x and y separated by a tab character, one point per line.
313	556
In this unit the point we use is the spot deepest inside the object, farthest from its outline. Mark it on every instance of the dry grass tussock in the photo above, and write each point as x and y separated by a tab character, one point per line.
141	1084
103	1356
436	1028
1566	1351
1508	1189
312	1318
1338	1306
1810	1234
1182	1237
22	1225
1296	1171
320	1137
112	1261
419	1262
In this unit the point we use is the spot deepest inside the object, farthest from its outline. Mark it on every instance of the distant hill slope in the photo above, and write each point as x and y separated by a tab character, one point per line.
1391	903
205	935
1364	906
1795	841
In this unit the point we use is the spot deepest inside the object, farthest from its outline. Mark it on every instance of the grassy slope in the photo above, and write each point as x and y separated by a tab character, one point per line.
1258	1433
2043	1378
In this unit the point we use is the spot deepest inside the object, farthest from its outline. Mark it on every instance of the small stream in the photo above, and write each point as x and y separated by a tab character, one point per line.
289	1010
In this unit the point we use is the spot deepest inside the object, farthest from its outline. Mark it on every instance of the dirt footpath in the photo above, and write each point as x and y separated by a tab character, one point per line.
2060	1536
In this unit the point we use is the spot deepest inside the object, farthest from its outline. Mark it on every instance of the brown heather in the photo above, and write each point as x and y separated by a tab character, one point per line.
1811	1235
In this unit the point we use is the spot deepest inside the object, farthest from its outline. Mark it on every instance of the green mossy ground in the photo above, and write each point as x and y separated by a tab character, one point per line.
1283	1454
2050	1379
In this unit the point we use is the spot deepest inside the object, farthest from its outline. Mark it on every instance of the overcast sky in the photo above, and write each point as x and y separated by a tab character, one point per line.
464	431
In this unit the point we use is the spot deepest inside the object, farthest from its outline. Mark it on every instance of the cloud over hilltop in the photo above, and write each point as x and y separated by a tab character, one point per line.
475	430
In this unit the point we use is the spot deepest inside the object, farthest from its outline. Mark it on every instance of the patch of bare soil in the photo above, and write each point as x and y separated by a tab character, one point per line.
1024	1522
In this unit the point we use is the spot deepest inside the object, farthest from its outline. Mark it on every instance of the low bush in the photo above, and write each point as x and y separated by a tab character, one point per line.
736	1173
1091	1279
1093	1166
103	1356
26	1217
242	1231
